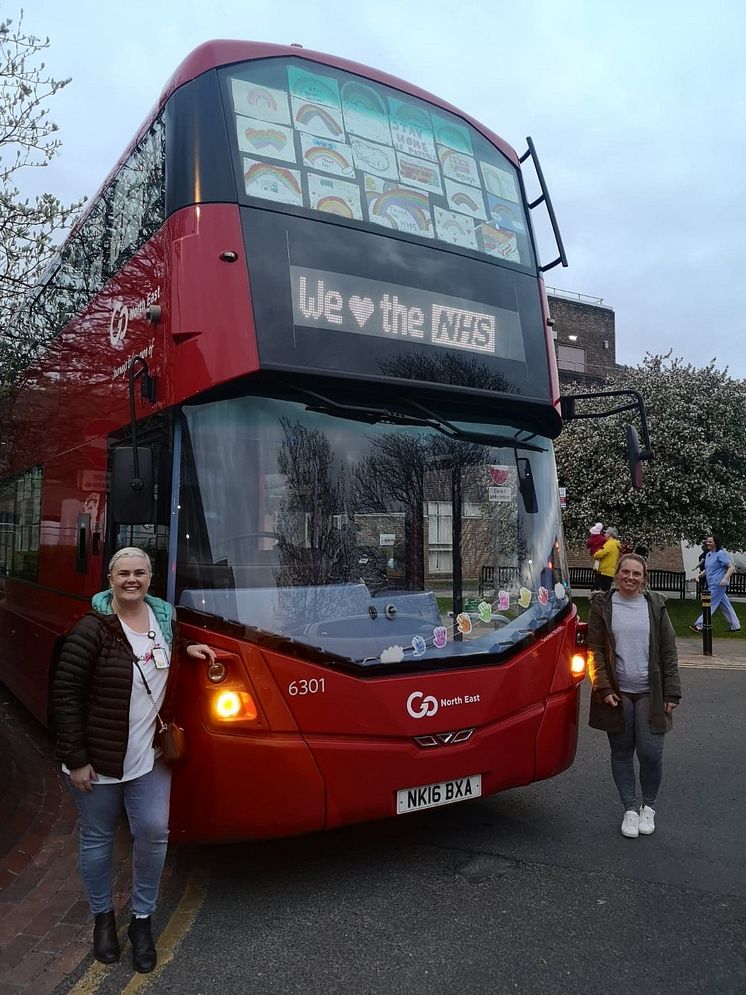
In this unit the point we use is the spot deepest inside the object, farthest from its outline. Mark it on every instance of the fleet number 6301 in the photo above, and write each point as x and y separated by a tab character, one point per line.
312	686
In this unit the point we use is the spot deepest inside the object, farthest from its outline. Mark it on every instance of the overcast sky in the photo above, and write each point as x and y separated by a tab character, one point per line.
637	110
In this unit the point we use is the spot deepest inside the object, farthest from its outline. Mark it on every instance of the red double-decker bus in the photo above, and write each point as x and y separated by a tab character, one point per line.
308	300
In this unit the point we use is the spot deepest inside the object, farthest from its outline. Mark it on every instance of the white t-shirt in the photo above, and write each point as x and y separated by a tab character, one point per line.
140	755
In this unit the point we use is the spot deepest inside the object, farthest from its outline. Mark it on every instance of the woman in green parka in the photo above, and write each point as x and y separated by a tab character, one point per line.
634	670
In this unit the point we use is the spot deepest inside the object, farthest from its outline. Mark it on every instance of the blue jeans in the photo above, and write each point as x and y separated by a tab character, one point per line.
146	801
636	738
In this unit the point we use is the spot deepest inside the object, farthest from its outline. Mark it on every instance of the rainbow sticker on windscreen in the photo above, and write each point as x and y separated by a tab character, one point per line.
501	244
327	156
313	88
466	200
272	182
262	102
455	228
334	196
499	181
317	120
505	215
398	207
365	112
455	136
264	138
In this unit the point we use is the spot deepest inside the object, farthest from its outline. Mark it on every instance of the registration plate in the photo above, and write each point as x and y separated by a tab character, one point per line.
442	793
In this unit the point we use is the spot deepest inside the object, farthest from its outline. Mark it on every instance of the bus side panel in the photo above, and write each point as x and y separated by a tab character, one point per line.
234	787
31	621
557	740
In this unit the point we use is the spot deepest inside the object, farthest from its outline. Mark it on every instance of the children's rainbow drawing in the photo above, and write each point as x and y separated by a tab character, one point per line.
361	97
334	196
499	181
409	114
327	156
272	182
261	102
270	140
313	88
466	200
505	215
453	135
398	207
321	121
455	228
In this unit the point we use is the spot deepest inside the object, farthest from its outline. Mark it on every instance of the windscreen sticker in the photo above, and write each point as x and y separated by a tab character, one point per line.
409	114
272	182
499	181
261	102
334	196
560	592
543	596
484	610
419	646
440	636
505	215
313	88
378	159
398	207
465	199
272	141
419	173
499	243
413	140
326	155
365	112
458	166
455	228
524	597
503	601
455	136
326	122
392	654
463	623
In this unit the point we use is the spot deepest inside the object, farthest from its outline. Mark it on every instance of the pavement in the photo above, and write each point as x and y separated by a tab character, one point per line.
45	926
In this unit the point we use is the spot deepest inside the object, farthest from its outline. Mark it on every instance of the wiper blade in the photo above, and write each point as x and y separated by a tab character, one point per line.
367	413
451	431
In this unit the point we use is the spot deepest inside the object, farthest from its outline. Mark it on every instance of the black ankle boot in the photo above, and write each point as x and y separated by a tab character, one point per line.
143	948
105	939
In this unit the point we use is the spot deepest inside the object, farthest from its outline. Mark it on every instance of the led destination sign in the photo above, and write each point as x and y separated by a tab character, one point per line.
389	311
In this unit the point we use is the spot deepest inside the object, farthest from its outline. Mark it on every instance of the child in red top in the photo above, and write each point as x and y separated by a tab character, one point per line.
596	539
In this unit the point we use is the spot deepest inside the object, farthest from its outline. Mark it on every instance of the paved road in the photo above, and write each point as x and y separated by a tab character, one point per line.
532	891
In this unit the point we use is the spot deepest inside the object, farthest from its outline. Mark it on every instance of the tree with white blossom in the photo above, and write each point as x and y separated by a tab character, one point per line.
696	481
30	228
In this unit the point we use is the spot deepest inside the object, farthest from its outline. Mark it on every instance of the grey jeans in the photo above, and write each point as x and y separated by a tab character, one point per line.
636	738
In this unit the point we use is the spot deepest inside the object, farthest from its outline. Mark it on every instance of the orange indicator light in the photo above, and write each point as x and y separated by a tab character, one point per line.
234	705
577	665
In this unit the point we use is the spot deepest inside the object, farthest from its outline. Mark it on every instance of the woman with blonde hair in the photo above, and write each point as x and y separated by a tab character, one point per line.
115	676
634	671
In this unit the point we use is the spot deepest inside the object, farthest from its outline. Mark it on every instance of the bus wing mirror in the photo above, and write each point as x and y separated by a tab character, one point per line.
634	456
132	490
526	486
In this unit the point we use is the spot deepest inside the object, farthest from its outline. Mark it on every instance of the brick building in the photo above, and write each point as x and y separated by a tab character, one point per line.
585	344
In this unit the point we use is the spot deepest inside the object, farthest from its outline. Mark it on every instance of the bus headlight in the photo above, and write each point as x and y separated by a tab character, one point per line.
216	672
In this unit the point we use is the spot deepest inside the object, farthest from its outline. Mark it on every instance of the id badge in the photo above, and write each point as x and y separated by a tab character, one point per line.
160	659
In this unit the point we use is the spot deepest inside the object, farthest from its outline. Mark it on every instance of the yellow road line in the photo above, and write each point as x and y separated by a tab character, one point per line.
167	943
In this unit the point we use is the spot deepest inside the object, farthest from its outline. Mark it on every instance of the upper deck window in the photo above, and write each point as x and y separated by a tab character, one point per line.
314	138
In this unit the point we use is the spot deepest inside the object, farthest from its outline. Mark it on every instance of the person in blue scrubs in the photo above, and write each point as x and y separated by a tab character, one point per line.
718	570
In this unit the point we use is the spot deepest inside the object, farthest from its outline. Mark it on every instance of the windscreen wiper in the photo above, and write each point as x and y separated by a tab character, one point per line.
451	431
373	415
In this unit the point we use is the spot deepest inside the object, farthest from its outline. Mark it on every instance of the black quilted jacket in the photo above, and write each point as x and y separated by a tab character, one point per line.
91	696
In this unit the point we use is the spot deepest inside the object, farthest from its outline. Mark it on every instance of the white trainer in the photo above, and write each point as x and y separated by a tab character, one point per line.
631	824
647	820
